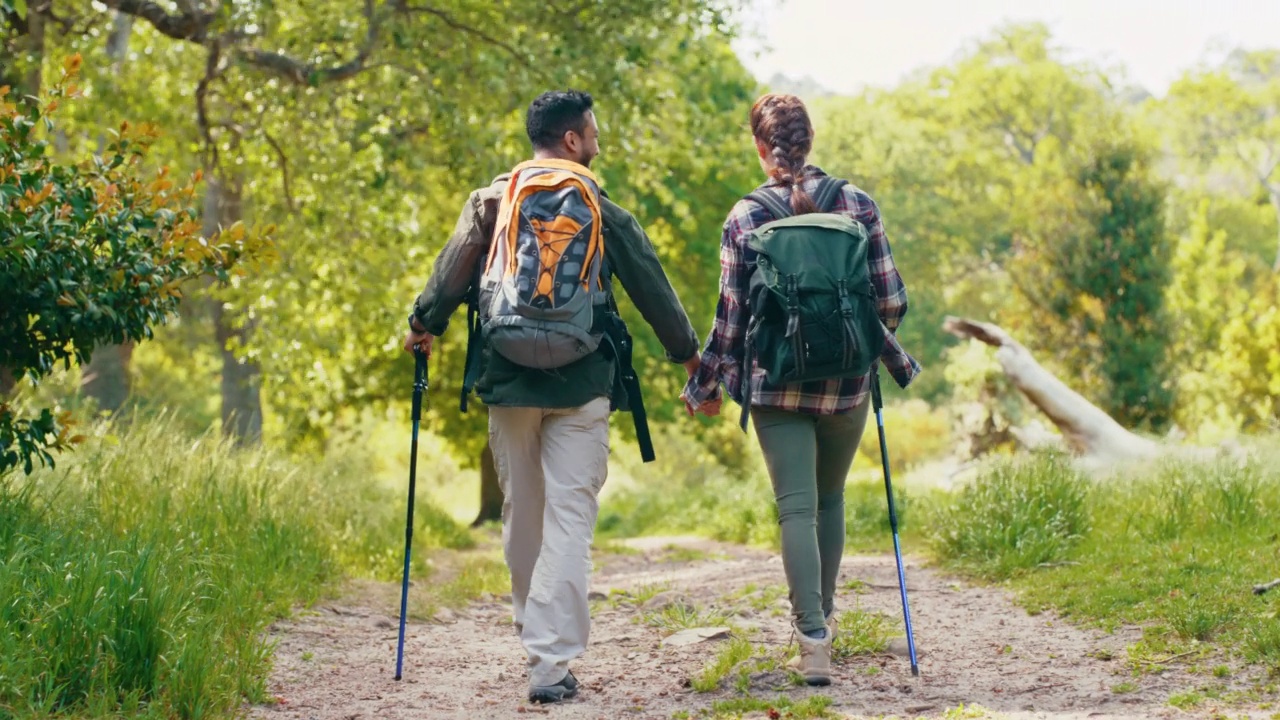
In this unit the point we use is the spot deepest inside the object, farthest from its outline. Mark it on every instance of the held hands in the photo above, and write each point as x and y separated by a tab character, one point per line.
710	408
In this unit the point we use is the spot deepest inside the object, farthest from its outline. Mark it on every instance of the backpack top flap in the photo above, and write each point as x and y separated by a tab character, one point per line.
819	249
544	265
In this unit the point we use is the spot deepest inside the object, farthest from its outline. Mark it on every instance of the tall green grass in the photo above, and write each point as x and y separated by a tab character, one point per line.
136	578
1015	517
1175	546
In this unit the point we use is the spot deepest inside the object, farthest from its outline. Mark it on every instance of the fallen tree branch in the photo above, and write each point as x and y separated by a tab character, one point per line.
1087	429
1264	587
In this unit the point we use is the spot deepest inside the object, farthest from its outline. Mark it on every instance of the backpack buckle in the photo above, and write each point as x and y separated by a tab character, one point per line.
793	305
846	307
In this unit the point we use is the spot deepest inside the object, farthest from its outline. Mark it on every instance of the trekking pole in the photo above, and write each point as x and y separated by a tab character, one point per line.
419	386
878	403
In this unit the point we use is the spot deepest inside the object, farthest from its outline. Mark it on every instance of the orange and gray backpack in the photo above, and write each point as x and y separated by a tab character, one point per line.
542	280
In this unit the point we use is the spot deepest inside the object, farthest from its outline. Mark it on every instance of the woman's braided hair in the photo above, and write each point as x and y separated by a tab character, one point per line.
782	123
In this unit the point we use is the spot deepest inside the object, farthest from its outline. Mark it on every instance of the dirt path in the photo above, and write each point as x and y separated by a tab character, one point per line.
977	648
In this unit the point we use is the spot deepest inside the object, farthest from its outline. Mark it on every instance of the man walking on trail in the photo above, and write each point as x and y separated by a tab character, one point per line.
548	416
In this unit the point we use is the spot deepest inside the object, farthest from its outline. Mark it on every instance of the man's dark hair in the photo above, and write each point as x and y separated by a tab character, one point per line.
554	113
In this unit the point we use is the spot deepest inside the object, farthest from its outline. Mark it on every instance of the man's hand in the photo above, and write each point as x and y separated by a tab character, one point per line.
692	364
418	340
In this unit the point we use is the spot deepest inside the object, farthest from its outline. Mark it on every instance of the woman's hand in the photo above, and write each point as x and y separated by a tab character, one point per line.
710	408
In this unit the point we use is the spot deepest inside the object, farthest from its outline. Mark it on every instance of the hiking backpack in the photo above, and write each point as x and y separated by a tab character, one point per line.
812	304
542	277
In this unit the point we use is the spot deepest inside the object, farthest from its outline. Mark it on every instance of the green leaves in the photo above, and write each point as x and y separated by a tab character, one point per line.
90	253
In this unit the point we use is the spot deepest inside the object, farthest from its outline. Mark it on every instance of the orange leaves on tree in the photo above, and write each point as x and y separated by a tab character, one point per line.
71	66
32	199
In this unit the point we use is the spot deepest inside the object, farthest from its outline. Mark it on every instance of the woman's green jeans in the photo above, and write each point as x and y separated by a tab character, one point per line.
809	457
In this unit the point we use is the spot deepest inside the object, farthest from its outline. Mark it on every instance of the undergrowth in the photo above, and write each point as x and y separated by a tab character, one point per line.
137	576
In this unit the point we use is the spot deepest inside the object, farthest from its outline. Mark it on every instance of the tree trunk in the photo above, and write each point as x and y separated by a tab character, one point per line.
241	401
106	376
118	40
1275	203
1092	433
490	490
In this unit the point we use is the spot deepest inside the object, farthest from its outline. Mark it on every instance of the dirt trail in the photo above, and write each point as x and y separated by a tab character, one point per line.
977	648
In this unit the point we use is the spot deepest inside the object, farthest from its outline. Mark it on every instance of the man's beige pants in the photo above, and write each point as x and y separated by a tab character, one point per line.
551	464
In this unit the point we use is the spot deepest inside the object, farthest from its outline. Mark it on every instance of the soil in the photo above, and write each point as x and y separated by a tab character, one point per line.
976	647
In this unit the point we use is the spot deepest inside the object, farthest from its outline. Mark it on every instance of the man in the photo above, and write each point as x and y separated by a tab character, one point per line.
549	429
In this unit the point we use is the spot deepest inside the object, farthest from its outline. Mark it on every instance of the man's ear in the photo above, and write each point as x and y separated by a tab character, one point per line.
573	142
761	149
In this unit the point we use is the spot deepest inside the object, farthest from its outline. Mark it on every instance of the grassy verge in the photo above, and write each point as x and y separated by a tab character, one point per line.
1175	548
138	576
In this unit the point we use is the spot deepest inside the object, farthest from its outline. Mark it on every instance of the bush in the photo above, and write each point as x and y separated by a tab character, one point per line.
90	254
915	433
1018	515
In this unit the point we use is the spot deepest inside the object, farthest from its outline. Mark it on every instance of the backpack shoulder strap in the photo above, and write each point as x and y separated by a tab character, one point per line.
771	202
829	188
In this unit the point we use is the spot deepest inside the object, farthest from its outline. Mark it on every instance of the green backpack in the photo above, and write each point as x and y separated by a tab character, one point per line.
812	305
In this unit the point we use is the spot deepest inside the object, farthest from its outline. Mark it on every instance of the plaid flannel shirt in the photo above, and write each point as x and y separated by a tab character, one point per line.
723	353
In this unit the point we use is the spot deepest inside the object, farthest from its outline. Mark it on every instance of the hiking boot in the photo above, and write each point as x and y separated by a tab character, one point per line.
814	660
832	625
563	690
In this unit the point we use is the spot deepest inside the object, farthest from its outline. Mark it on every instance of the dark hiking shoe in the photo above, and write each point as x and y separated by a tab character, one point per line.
563	690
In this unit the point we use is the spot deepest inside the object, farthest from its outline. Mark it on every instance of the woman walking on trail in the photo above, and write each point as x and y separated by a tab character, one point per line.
808	431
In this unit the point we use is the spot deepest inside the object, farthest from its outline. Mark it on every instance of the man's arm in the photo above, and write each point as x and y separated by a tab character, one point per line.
635	263
725	345
455	267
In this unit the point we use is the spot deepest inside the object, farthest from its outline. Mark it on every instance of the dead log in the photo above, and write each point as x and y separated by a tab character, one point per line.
1099	440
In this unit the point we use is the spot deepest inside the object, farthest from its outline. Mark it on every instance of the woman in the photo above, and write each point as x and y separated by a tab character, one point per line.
808	431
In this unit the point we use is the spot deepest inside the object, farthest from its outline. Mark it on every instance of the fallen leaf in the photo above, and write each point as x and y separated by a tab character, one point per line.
694	636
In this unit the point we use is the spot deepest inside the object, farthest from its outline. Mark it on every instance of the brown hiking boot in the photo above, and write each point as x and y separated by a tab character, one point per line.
814	660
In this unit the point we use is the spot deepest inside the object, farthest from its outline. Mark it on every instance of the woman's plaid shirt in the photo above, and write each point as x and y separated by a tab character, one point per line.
722	356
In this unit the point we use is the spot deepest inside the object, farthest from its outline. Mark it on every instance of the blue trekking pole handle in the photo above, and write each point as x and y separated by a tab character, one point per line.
419	387
878	404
